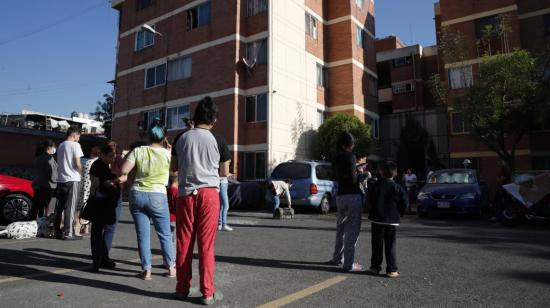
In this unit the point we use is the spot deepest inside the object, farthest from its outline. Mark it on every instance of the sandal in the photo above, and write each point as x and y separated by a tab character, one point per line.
171	272
144	275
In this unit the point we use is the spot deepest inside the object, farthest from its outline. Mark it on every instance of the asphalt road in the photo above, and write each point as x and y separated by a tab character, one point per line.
444	263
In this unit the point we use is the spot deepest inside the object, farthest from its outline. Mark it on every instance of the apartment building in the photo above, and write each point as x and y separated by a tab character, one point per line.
404	96
275	68
528	27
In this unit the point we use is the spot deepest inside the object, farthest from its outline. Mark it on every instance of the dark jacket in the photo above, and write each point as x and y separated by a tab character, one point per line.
45	172
388	202
345	172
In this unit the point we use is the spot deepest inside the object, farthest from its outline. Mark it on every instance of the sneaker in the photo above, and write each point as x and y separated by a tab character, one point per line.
212	300
227	228
356	267
220	227
392	274
72	238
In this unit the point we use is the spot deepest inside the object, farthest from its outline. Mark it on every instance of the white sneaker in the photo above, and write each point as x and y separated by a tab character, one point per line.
227	228
219	227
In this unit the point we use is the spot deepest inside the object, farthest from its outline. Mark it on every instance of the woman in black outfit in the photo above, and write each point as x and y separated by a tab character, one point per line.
45	178
104	199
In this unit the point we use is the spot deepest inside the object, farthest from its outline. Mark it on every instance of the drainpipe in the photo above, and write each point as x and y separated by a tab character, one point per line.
269	154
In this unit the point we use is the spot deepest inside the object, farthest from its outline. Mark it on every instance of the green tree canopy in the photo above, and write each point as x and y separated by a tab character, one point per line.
104	113
327	136
507	103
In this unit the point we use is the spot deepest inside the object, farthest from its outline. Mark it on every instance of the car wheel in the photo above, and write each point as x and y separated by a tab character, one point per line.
15	207
324	206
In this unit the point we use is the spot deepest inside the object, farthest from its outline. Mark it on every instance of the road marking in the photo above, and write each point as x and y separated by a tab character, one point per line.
303	293
60	271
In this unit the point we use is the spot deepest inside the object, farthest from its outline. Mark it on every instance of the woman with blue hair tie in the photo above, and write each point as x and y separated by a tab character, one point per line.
148	199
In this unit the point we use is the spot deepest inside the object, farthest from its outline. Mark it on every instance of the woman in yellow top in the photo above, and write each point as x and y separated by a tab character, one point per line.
148	200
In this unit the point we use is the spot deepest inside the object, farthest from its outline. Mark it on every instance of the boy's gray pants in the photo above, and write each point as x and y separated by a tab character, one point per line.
348	226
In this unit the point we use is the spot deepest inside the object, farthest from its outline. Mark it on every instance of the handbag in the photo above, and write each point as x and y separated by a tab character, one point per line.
91	209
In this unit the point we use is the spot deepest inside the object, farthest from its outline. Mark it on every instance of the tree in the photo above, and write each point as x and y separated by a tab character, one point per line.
507	103
104	112
416	148
327	136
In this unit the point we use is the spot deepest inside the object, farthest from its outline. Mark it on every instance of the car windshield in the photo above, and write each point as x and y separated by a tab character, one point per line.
452	177
292	171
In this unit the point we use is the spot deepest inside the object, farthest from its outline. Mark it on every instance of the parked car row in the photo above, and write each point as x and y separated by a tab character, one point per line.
453	191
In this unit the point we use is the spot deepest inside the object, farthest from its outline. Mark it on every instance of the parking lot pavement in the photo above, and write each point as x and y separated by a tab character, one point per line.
444	263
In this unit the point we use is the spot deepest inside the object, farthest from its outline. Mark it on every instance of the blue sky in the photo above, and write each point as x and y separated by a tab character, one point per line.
56	56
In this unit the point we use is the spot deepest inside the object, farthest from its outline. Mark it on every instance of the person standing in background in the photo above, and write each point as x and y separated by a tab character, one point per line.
85	186
410	180
45	178
68	183
225	161
116	168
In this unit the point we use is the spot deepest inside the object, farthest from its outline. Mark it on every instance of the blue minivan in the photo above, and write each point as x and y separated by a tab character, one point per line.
312	184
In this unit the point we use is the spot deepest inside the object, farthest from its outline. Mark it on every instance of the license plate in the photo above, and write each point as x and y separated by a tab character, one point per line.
443	205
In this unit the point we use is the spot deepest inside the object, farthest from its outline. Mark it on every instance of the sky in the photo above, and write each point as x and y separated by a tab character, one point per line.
56	56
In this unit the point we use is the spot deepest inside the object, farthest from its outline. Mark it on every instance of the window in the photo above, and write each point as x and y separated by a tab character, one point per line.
255	165
311	26
256	108
359	3
180	68
459	124
257	51
320	117
149	117
294	171
142	4
144	39
256	7
324	172
547	25
461	77
155	76
373	86
321	76
487	26
174	116
402	61
198	16
403	87
359	37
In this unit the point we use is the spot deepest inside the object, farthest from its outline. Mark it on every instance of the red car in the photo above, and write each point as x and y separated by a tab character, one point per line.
15	198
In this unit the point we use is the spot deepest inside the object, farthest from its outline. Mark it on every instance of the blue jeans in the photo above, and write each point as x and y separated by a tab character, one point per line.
146	206
224	203
348	226
276	203
109	231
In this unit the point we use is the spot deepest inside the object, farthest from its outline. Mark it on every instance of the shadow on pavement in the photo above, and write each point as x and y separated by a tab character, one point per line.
284	227
537	277
16	263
